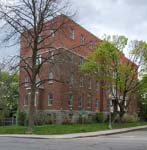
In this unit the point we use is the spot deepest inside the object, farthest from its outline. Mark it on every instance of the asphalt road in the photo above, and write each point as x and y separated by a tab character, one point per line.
136	140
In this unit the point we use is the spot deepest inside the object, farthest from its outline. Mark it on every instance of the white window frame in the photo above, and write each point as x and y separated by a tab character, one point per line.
50	99
39	38
50	77
89	99
97	103
37	82
97	85
82	39
38	59
52	33
70	99
26	81
52	53
72	34
91	45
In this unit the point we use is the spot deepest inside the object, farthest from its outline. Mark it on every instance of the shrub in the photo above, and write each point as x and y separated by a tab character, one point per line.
22	118
41	118
66	120
129	119
99	117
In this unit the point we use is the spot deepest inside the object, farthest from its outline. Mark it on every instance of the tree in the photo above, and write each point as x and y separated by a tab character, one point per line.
27	20
8	94
118	73
143	98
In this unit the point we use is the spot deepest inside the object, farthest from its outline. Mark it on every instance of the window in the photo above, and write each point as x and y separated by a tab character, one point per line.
50	77
70	99
81	81
82	39
71	79
89	101
50	99
80	101
81	60
26	81
89	84
72	34
90	45
52	33
96	103
52	55
38	59
25	100
38	82
39	38
97	85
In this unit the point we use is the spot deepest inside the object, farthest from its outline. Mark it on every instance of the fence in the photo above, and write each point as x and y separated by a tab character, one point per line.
8	121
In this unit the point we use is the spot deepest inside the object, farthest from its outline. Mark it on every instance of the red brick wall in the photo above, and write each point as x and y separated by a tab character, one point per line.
63	70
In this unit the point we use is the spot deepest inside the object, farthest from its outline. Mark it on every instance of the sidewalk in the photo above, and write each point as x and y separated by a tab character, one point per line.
75	135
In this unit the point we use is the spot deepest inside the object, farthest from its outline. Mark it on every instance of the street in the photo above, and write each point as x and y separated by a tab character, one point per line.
136	140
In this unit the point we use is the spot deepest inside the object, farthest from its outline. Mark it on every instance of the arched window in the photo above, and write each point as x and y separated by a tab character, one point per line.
50	99
50	78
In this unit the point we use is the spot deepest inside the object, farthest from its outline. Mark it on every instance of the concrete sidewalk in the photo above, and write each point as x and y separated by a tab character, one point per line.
75	135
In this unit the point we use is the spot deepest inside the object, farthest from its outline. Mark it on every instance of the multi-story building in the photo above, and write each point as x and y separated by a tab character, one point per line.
67	92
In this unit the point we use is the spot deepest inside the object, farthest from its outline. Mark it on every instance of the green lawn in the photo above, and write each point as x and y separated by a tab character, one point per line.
65	129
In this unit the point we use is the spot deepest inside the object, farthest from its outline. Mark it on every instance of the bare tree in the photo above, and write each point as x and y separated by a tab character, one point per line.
28	24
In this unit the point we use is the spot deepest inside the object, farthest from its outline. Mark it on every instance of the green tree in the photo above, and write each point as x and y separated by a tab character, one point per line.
143	98
118	73
8	94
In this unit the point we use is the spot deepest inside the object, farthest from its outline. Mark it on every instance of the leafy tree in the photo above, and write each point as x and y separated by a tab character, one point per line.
118	73
8	94
143	97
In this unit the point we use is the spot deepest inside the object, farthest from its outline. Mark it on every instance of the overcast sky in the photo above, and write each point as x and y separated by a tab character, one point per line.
121	17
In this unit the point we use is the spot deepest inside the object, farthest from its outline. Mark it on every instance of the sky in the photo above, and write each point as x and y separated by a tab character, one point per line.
116	17
121	17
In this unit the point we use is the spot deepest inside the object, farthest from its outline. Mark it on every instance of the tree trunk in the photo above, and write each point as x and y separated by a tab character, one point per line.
31	111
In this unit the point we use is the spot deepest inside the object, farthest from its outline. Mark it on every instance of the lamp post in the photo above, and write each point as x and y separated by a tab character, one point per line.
109	105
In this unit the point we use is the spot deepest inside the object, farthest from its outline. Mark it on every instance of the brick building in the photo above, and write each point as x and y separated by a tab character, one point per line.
68	92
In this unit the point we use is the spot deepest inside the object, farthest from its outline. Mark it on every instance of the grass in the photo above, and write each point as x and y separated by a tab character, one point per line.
65	129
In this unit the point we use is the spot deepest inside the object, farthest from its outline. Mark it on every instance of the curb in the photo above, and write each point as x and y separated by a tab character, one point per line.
76	135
